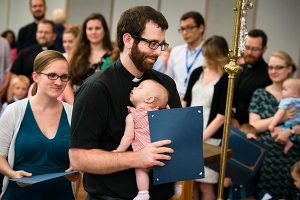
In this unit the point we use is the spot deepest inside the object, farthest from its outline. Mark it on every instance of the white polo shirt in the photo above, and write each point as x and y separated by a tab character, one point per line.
178	67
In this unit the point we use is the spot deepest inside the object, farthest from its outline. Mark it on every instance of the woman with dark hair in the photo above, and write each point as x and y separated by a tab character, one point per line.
92	50
208	87
9	35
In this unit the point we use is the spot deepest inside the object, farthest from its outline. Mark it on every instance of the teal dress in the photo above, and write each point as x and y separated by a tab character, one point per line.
37	154
275	177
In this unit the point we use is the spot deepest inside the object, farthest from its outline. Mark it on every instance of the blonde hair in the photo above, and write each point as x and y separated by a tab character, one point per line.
215	48
42	60
59	16
294	84
285	57
296	168
74	30
20	78
248	128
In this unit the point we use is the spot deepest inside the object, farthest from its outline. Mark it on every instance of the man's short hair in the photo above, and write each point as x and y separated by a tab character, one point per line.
133	21
50	22
198	18
44	1
259	33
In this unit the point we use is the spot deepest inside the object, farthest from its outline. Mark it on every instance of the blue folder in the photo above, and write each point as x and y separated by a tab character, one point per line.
39	178
248	155
184	127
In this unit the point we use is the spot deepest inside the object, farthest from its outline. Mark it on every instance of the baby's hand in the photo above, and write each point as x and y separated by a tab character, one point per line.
288	145
251	136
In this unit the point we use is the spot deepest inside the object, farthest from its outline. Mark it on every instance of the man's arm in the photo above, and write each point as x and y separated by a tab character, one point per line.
128	134
97	161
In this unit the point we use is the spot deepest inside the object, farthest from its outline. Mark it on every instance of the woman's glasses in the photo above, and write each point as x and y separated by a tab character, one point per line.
54	76
276	68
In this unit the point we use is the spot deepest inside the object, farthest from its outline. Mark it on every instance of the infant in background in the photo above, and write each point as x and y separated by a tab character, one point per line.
149	95
20	85
290	97
249	130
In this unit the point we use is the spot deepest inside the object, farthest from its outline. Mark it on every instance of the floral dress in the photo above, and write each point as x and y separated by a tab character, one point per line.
274	177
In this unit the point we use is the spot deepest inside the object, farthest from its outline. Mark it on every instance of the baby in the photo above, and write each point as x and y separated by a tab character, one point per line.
149	95
290	96
249	130
295	173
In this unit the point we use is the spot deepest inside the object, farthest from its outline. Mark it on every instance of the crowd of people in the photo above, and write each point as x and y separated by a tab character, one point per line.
72	99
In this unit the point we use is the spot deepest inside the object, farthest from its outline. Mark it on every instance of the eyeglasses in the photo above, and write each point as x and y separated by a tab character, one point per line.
54	76
188	28
153	44
254	49
276	68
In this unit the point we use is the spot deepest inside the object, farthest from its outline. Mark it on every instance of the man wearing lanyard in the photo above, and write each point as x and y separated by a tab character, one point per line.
186	57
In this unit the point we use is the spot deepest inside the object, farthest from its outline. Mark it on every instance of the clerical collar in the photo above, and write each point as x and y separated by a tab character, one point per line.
44	48
137	79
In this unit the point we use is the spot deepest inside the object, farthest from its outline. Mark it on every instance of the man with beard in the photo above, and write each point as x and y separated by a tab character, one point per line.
100	109
187	57
26	36
45	37
254	74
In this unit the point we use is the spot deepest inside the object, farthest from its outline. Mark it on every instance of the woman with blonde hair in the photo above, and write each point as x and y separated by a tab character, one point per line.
34	134
274	177
207	87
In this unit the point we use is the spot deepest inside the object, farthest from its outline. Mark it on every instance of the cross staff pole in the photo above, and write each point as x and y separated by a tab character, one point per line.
232	69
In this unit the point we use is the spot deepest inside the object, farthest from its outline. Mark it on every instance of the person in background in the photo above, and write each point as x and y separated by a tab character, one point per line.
100	110
92	50
45	37
189	56
290	97
208	87
162	61
27	34
69	38
59	18
9	35
249	130
295	173
34	134
254	75
20	85
274	176
5	64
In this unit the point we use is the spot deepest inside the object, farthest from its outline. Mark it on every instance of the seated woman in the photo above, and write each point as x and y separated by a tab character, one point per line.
34	134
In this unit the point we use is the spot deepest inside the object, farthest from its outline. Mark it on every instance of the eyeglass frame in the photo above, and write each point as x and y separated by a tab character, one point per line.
163	44
254	49
187	28
57	76
277	68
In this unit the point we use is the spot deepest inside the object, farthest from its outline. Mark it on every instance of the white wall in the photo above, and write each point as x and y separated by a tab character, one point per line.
173	10
279	19
19	15
78	10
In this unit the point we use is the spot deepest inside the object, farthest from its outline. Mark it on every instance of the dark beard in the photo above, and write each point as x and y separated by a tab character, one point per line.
38	18
139	59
